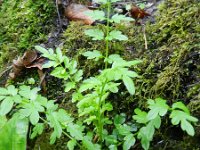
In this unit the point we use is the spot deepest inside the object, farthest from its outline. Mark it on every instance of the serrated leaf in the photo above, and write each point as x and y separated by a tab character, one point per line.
106	107
116	35
89	145
96	34
93	54
78	76
96	15
141	116
34	117
128	82
158	107
6	106
54	122
27	92
71	144
123	129
75	131
69	86
59	54
119	119
129	141
50	64
60	72
37	130
118	18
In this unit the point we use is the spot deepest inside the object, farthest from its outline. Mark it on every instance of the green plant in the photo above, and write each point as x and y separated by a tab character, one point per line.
27	103
179	114
92	95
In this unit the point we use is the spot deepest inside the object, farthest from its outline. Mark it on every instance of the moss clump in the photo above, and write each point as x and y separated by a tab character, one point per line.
23	24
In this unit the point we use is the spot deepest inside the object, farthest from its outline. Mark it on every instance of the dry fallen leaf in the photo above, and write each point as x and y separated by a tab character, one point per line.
76	12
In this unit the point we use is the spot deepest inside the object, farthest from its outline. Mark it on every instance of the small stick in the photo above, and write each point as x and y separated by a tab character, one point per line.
145	38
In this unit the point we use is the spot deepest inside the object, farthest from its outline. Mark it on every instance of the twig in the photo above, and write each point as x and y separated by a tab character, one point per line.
145	38
59	18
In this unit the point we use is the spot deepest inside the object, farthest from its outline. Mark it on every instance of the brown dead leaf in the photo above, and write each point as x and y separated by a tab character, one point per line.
76	12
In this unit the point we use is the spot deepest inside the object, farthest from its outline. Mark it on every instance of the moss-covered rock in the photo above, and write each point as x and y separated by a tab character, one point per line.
23	24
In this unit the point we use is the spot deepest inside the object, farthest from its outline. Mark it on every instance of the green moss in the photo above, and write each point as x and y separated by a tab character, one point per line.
23	24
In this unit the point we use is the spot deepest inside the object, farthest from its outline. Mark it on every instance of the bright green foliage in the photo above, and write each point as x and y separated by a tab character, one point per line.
96	34
158	106
64	68
13	134
116	35
152	119
180	114
8	96
96	55
96	15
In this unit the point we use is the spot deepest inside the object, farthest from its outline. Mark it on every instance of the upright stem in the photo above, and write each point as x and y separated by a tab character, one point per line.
101	116
107	30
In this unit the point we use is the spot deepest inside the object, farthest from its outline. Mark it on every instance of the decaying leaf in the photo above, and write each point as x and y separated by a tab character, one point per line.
76	12
30	59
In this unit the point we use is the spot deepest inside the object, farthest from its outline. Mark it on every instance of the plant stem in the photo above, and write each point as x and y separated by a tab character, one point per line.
107	31
101	116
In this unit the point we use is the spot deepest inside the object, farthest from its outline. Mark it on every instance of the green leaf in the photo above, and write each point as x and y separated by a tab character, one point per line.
158	107
26	92
71	144
89	145
181	106
186	126
101	1
93	54
89	84
116	35
75	131
128	82
96	34
156	122
54	122
3	91
6	106
34	117
37	130
123	129
12	90
59	54
112	147
119	119
69	86
13	135
185	119
129	141
106	107
118	18
146	135
142	5
141	116
3	121
60	72
96	15
50	64
46	53
78	76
